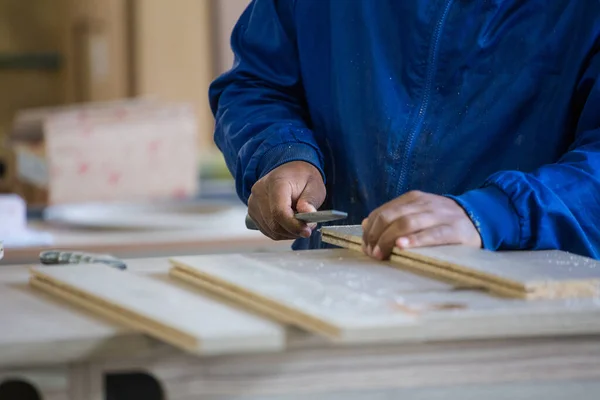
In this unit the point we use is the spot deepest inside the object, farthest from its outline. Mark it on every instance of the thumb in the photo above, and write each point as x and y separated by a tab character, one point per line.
304	207
311	198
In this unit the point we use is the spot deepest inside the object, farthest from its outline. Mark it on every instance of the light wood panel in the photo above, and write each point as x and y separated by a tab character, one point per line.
187	320
527	274
30	27
98	50
373	301
435	272
172	55
89	39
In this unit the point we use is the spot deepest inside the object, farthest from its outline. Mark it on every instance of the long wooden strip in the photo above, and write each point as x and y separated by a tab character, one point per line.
523	274
182	318
419	267
330	310
346	235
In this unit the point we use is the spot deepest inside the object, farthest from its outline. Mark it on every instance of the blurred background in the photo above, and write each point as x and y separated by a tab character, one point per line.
104	103
64	52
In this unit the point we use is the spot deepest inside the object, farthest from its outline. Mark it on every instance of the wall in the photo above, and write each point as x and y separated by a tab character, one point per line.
226	13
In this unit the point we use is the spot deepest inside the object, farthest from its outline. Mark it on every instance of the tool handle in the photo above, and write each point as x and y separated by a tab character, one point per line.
250	224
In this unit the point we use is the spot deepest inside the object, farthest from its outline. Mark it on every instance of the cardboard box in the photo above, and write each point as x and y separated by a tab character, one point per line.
126	152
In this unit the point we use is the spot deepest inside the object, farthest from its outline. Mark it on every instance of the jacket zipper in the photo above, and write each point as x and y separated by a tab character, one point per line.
433	54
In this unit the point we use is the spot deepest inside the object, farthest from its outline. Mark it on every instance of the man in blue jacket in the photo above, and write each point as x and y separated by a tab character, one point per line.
439	121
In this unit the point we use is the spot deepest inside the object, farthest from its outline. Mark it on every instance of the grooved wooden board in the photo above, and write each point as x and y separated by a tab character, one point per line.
289	297
182	318
521	274
373	301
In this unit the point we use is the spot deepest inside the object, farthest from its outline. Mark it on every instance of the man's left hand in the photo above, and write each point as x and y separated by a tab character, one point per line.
417	219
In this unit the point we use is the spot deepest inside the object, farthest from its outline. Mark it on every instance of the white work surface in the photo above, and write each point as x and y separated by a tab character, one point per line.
143	230
66	353
145	243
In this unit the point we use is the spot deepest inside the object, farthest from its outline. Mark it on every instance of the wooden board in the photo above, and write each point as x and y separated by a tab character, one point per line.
184	319
168	34
99	50
435	272
288	297
521	274
373	301
30	28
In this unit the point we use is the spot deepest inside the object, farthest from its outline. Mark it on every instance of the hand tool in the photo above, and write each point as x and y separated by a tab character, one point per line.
311	217
57	257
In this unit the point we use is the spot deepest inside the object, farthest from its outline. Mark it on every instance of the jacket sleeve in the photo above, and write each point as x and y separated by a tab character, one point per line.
259	106
556	206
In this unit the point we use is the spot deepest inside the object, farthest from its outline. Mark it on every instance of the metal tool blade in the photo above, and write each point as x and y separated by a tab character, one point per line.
321	216
311	217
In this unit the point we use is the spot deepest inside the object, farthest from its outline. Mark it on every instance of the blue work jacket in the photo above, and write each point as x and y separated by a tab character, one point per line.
495	103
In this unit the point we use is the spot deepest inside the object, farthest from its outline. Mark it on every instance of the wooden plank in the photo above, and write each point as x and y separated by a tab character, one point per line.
331	310
289	297
527	274
177	33
184	319
435	272
374	301
31	27
101	44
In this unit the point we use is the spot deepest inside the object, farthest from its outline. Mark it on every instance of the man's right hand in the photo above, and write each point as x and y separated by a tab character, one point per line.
290	188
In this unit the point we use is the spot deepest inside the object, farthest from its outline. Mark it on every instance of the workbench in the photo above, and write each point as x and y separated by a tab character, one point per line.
132	244
66	354
122	242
